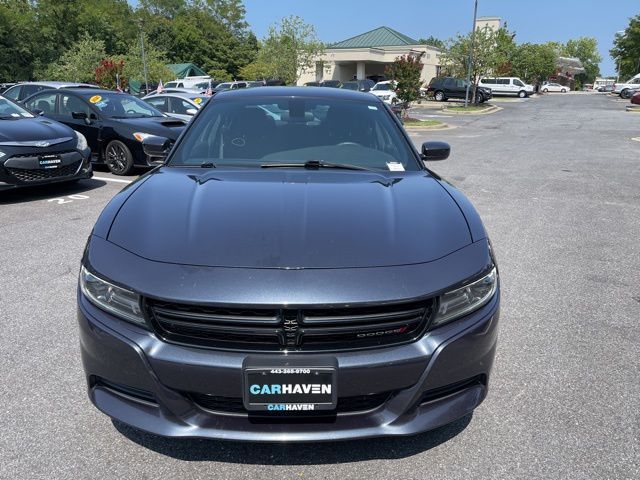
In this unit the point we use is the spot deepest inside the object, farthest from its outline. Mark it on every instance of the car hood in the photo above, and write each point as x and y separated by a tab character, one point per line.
168	127
289	219
23	131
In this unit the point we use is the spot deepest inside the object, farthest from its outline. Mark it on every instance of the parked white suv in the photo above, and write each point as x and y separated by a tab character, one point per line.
507	86
385	91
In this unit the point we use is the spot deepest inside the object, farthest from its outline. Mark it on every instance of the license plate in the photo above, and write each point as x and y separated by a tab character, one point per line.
290	389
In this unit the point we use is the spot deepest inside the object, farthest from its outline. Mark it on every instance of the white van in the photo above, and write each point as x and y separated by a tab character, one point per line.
187	82
507	86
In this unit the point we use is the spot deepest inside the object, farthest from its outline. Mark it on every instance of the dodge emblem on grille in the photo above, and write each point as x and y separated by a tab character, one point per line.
42	144
290	331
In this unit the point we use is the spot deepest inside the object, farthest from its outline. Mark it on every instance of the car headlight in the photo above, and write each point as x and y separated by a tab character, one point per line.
81	143
461	301
140	136
116	300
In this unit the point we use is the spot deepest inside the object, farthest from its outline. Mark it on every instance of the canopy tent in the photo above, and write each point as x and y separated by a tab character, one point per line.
182	70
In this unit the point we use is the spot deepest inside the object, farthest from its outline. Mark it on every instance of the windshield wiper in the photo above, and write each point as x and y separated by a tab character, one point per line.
207	165
315	165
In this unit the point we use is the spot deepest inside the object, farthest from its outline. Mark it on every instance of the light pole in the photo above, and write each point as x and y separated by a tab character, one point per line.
144	60
473	38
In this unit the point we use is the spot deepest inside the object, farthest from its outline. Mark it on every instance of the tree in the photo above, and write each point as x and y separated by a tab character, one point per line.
79	62
155	59
220	75
18	45
406	70
432	41
110	72
505	50
257	70
586	50
534	62
486	58
290	48
626	49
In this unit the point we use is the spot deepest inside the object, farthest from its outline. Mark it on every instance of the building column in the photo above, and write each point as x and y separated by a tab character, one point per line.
360	73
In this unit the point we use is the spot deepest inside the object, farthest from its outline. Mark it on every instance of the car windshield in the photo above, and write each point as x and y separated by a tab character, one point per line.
350	85
382	86
223	86
9	109
121	105
293	131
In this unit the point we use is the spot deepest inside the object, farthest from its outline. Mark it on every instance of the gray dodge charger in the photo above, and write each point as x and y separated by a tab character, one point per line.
292	272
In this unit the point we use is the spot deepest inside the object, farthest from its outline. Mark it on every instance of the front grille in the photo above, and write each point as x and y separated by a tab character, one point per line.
275	329
38	174
359	403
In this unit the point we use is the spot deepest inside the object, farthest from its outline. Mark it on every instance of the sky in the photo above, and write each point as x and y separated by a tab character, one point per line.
535	21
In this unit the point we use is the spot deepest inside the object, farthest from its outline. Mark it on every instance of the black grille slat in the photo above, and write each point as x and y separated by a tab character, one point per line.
278	329
38	174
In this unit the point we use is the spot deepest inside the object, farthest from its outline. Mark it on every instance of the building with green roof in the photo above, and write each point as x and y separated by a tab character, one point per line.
367	56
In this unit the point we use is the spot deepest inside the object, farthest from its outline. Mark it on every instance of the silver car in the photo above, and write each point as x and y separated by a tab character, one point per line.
180	105
19	92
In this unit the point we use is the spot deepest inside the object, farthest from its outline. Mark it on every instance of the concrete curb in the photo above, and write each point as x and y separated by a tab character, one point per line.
486	111
421	128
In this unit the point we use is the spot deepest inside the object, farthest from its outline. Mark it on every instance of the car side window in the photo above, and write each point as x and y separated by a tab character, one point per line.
28	90
159	102
13	93
45	103
503	81
449	82
460	83
518	83
70	104
179	106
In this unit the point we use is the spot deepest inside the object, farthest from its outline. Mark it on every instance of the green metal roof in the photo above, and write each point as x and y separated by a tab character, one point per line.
182	70
379	37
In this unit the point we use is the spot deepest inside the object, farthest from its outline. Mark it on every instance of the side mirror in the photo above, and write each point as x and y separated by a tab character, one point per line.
79	115
155	146
37	111
435	151
191	111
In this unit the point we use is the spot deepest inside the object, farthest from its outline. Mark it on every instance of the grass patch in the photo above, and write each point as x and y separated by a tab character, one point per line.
470	108
414	122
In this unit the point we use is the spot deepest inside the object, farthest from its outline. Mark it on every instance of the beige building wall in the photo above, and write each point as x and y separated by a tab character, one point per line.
345	63
494	23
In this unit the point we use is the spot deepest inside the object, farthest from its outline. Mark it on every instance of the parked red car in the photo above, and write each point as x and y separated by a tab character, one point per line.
635	99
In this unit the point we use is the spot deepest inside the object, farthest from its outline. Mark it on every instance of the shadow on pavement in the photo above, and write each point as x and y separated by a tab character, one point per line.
294	453
44	192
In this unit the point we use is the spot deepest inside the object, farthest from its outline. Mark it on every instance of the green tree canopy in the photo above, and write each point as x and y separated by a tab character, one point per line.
626	49
433	41
79	62
586	50
534	62
290	47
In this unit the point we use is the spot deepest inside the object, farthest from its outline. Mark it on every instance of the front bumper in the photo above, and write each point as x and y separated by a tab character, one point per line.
142	381
26	170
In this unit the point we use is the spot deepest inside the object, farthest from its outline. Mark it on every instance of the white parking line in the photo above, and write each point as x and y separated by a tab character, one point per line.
107	179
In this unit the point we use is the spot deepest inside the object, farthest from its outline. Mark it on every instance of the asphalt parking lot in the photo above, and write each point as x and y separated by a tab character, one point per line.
556	180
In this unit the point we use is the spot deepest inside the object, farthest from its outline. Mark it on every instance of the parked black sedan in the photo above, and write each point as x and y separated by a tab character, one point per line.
115	124
35	150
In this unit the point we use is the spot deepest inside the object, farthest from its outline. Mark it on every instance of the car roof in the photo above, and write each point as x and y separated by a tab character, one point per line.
189	95
91	91
298	92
